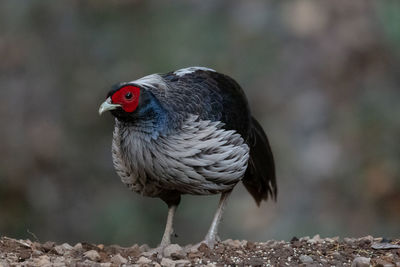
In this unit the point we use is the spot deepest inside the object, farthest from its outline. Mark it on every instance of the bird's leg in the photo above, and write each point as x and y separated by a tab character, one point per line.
166	239
211	236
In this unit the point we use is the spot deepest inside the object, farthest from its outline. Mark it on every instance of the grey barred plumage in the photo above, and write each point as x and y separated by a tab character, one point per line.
188	132
200	159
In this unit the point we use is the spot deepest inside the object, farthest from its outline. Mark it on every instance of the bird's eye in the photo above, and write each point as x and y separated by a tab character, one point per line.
128	95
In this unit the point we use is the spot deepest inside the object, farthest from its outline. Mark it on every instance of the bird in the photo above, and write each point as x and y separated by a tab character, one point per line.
188	131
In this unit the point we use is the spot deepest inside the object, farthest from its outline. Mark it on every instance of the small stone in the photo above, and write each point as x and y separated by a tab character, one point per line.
78	246
384	263
86	263
23	255
305	259
92	255
42	261
336	255
167	262
144	248
227	242
142	260
182	263
48	246
37	253
59	261
105	264
385	246
194	255
148	254
361	262
236	244
243	243
100	246
368	238
305	238
133	251
62	249
172	249
314	240
118	259
348	241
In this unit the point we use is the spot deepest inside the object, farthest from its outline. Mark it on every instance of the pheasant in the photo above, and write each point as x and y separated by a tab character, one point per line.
188	132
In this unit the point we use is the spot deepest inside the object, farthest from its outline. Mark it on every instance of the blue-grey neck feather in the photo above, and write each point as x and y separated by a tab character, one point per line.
149	118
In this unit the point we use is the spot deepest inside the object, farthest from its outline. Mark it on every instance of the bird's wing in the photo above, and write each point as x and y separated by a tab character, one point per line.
202	92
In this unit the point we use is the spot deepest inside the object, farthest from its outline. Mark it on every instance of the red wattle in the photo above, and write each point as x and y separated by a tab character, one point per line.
128	105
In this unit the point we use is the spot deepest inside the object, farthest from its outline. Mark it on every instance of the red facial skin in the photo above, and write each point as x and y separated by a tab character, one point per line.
129	102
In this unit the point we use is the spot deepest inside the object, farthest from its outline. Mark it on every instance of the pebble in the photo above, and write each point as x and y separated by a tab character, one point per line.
305	259
384	263
368	238
315	239
42	261
348	241
336	255
144	248
86	263
133	251
172	249
167	262
305	238
48	246
118	259
148	253
92	255
143	260
182	262
78	246
58	262
361	262
385	246
105	264
62	249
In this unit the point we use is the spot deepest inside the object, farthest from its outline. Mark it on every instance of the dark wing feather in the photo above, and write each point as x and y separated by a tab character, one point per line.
259	178
210	95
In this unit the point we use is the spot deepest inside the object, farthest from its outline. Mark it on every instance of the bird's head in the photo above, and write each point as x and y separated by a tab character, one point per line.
132	103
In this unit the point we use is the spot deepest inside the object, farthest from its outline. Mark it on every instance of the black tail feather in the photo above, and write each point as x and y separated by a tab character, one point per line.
259	178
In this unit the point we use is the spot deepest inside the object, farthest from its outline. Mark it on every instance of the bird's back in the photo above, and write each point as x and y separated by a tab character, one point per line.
205	93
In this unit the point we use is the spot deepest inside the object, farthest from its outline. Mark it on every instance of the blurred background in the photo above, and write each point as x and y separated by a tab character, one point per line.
322	77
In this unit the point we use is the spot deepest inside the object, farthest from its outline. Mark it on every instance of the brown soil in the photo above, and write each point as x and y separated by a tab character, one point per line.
304	252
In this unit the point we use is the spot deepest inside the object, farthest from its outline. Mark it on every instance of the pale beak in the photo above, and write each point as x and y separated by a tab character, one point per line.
107	105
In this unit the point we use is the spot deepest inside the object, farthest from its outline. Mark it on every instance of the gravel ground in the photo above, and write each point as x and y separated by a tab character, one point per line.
316	251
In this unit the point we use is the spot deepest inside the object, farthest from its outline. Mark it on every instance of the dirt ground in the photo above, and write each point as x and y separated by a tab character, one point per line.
316	251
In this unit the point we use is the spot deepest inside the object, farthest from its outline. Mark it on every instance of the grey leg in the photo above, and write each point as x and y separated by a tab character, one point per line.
166	239
212	232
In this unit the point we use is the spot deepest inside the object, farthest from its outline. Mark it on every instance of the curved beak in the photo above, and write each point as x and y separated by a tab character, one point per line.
107	105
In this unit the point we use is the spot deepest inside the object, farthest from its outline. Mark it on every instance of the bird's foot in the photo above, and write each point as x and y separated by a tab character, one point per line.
209	242
158	251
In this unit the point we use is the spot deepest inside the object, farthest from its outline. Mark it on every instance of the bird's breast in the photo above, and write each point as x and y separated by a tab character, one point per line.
199	158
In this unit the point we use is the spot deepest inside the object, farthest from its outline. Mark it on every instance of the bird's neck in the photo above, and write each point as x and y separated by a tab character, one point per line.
149	119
